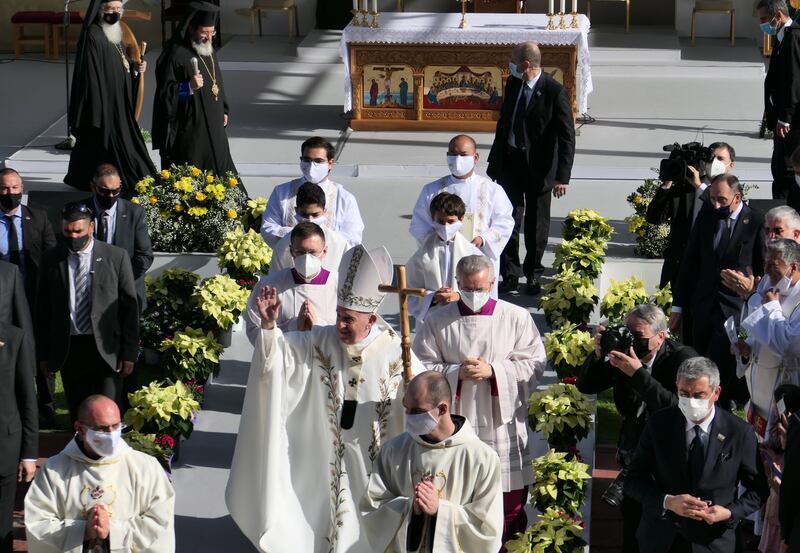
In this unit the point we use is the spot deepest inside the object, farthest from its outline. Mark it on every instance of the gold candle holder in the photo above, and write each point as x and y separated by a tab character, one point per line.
574	23
561	23
355	22
550	24
375	21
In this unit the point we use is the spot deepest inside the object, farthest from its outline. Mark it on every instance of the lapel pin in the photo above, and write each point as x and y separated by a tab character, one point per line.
721	437
99	259
2	344
746	221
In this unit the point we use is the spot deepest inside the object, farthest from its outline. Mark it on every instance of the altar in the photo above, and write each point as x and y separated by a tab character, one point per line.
420	71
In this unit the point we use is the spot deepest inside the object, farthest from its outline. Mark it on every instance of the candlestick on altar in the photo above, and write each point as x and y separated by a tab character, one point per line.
562	24
550	24
355	22
464	23
375	22
574	23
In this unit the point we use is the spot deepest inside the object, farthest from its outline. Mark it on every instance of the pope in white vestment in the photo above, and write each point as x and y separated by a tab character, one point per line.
489	211
130	486
319	405
435	488
771	317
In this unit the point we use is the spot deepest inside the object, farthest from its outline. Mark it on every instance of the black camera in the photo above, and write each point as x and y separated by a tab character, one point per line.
681	156
616	491
616	338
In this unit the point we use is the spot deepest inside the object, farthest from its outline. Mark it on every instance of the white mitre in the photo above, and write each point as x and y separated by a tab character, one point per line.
361	272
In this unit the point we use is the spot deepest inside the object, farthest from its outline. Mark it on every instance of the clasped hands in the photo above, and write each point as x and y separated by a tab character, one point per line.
475	369
306	319
426	498
688	506
98	524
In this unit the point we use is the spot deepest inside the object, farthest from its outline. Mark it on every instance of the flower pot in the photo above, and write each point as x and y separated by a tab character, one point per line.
204	264
224	337
152	357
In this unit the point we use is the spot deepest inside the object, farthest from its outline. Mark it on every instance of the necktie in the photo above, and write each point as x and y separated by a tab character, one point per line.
697	457
519	117
724	238
13	241
83	297
102	227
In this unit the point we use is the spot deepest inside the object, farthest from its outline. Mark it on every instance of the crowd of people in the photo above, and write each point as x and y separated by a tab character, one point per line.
336	451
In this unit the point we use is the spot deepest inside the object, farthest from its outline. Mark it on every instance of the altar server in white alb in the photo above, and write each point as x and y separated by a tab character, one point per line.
492	355
771	318
98	494
316	162
433	266
310	208
318	407
489	220
307	291
435	488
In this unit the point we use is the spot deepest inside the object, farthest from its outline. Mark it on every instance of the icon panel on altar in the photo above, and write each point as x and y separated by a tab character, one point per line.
462	87
389	86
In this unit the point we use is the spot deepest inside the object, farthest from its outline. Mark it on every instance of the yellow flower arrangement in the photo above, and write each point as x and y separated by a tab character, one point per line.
135	201
210	179
232	182
178	207
197	211
637	199
144	185
217	191
200	197
195	172
795	4
165	174
153	200
232	214
183	184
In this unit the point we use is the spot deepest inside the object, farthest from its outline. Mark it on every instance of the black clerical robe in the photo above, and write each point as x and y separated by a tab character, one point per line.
101	114
189	127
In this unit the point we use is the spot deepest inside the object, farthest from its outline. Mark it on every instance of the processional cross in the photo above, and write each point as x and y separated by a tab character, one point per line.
403	291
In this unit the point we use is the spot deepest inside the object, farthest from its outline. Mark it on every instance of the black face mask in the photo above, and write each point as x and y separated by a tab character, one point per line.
641	347
10	201
111	17
723	212
76	243
106	202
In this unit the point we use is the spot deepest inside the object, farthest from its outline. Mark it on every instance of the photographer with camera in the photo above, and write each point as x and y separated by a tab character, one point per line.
685	176
640	363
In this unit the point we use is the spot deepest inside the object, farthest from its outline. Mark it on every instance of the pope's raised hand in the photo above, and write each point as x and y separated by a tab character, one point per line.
269	306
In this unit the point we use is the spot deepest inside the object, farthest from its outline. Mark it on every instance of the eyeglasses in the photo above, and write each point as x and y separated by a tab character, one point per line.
212	34
108	192
76	207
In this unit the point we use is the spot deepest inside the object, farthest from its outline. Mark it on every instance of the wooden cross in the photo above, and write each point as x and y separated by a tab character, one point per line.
403	292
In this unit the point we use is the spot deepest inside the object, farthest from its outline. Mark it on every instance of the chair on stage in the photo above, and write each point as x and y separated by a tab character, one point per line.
715	6
259	8
500	6
627	11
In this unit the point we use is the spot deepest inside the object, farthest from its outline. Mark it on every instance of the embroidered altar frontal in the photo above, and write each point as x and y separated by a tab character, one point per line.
419	71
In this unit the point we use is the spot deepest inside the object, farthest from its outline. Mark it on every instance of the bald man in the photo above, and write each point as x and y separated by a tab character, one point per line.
531	157
98	494
418	498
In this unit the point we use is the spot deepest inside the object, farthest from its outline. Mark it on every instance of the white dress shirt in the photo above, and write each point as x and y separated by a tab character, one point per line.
72	267
112	220
704	428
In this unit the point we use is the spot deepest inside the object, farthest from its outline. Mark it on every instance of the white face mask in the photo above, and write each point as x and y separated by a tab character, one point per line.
716	168
447	232
460	166
307	265
105	444
314	172
784	284
474	300
421	424
695	410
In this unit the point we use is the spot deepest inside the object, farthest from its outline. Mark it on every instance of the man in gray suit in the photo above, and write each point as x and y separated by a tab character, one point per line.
87	318
119	222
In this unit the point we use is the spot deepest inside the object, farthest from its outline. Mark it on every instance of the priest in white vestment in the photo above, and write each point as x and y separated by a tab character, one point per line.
98	494
493	357
489	219
771	318
433	265
435	488
318	407
307	291
316	162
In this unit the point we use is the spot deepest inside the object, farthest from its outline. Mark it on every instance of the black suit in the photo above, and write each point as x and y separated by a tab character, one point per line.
88	362
781	98
130	234
790	487
674	205
660	467
14	308
19	425
37	238
528	175
656	389
700	289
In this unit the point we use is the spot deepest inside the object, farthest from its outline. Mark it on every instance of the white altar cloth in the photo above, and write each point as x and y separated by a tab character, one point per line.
484	28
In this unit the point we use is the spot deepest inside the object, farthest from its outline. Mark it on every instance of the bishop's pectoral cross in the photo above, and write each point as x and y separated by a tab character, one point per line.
403	291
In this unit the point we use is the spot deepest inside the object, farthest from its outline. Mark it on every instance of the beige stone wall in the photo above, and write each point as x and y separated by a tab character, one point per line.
144	30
